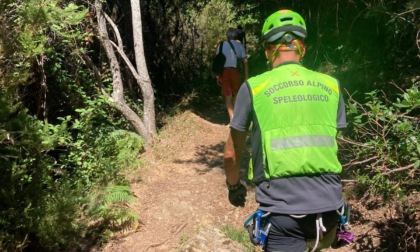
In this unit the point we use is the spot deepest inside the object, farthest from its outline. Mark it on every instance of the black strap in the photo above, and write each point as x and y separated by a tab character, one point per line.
221	47
233	48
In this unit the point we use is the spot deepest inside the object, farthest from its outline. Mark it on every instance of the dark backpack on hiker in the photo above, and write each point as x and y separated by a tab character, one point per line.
219	61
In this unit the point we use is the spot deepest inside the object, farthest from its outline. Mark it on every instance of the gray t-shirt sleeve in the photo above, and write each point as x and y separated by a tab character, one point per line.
341	113
242	53
239	49
241	119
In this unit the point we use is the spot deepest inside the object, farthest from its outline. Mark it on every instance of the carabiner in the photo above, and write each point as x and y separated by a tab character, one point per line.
259	229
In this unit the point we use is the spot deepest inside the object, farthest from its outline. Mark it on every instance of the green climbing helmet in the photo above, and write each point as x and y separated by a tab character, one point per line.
283	22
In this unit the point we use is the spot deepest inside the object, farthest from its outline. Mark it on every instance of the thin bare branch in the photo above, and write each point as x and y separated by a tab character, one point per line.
375	164
405	12
361	162
355	143
349	181
127	62
409	117
115	29
395	85
399	169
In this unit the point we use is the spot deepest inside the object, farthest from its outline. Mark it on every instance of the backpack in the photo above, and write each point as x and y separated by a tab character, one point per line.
239	62
219	61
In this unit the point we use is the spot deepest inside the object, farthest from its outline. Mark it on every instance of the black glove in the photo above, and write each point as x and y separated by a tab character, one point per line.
237	194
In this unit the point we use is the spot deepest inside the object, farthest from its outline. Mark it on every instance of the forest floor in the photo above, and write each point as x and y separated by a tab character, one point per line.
182	195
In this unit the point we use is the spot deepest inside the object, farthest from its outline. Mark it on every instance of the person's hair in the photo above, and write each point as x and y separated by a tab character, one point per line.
269	46
239	27
232	33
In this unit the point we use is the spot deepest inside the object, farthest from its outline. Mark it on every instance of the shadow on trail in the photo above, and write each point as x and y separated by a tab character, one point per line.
211	156
212	109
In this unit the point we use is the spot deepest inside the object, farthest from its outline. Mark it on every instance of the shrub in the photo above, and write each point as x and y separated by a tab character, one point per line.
383	142
50	172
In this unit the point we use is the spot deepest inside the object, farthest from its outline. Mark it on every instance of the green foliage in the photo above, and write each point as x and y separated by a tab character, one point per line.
98	143
112	206
60	220
26	184
214	29
52	166
384	142
32	31
51	171
360	33
38	18
240	236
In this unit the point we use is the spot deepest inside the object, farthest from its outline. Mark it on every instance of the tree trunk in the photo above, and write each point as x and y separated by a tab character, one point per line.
118	99
144	83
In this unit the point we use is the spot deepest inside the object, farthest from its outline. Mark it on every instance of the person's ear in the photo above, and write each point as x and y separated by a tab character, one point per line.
303	52
268	51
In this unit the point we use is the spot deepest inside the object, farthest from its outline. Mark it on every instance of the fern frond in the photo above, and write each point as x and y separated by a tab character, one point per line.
118	194
112	206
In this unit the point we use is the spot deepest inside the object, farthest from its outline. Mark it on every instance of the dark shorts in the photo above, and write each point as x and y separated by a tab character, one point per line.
290	234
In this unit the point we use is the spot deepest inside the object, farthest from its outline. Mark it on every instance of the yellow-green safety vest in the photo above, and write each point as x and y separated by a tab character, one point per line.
296	109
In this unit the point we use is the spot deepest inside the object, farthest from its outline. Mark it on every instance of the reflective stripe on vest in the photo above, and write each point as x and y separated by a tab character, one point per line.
301	141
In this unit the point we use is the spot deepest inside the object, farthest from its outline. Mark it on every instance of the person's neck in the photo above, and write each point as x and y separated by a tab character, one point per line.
287	56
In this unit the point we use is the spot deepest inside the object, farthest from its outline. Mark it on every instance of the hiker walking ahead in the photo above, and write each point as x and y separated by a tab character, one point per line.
241	35
295	114
231	78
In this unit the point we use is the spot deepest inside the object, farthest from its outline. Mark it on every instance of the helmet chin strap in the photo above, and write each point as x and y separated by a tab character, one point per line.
274	55
295	45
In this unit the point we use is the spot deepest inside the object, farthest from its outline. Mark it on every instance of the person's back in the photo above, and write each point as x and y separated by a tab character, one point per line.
232	56
295	113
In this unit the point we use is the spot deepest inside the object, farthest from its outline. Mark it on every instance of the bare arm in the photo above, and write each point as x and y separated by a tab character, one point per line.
246	68
233	152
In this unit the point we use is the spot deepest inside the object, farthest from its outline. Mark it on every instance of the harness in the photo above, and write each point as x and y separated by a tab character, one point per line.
320	228
259	228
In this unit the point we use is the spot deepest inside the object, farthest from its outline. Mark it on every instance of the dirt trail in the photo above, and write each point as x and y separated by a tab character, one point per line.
181	190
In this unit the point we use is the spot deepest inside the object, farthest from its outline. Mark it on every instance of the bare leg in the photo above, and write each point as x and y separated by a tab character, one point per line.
233	100
229	106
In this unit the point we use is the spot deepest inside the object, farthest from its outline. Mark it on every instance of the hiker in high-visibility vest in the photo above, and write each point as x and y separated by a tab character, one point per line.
295	114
